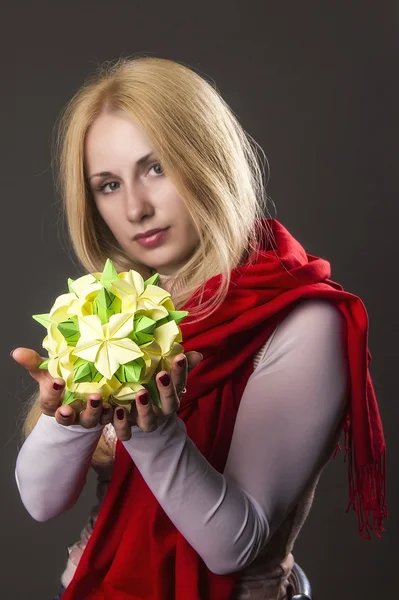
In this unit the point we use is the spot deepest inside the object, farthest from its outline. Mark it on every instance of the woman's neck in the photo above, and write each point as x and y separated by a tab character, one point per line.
166	281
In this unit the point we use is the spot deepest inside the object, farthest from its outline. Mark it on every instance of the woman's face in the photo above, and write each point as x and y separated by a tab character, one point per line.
133	195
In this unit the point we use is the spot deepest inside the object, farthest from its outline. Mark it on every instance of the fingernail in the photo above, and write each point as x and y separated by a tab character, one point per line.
58	386
120	413
144	399
202	356
165	379
11	353
95	403
64	415
180	362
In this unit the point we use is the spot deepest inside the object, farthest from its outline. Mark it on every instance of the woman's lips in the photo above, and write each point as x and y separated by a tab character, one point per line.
156	239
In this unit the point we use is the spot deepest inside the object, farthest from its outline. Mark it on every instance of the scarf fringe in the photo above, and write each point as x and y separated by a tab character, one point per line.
367	489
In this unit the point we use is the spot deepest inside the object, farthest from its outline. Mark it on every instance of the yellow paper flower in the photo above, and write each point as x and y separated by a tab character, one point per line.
110	389
111	334
163	348
107	346
60	353
129	287
79	302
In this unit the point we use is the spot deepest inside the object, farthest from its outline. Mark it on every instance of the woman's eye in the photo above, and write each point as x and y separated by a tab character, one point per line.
157	168
108	185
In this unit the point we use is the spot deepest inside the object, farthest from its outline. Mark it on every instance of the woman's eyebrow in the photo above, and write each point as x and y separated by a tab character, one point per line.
139	163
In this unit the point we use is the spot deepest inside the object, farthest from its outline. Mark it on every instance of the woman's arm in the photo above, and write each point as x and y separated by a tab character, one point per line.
52	466
288	417
53	462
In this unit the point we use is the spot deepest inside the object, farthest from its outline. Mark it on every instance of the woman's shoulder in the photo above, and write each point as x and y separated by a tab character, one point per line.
312	316
313	325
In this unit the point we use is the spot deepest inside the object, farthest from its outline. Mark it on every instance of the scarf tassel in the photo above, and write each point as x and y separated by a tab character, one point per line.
367	489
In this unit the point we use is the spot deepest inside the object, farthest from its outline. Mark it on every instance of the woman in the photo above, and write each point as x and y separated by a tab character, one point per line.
208	494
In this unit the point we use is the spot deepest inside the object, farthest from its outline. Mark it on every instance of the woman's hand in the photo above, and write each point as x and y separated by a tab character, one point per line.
144	413
95	411
52	391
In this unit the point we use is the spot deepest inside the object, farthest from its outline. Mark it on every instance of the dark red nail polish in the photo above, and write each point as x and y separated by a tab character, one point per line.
58	386
95	403
120	413
144	399
180	362
165	379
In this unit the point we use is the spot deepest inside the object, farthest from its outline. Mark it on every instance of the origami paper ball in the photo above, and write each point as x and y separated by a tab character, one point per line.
111	334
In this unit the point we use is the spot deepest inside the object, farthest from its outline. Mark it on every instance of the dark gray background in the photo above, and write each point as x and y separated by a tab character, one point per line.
313	82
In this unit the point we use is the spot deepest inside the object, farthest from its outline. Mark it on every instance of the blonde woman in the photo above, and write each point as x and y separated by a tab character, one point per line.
203	499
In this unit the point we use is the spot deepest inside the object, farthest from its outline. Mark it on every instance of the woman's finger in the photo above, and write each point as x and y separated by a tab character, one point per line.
167	391
182	365
122	428
193	358
51	394
66	415
179	372
146	418
30	360
91	414
51	390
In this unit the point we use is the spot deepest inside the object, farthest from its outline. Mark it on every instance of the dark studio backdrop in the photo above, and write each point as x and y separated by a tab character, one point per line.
314	83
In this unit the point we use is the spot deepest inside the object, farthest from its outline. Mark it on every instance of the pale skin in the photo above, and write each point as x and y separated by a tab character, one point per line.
135	196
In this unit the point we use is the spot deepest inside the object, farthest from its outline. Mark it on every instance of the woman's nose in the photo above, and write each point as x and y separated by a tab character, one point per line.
137	204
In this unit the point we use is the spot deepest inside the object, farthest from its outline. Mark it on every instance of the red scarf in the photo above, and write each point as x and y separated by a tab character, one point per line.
135	552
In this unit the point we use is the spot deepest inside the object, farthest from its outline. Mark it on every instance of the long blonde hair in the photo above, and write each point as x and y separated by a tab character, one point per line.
213	163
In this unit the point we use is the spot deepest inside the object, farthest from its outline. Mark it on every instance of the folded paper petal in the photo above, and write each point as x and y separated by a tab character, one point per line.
43	319
125	351
88	352
152	310
59	310
166	335
109	274
155	293
90	328
134	279
105	305
82	283
120	326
